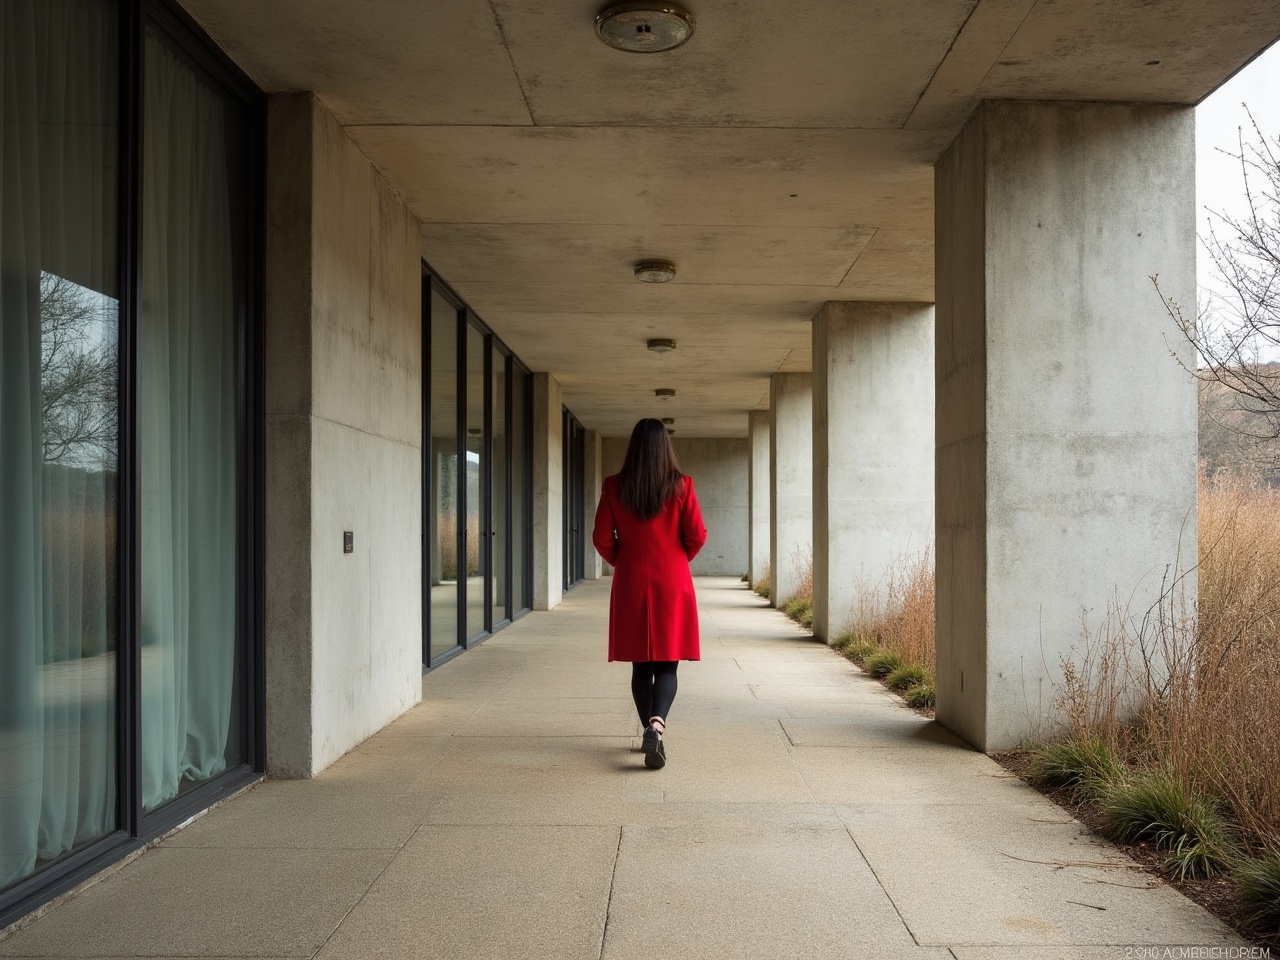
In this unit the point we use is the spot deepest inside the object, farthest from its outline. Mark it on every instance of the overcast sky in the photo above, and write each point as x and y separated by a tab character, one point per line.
1218	182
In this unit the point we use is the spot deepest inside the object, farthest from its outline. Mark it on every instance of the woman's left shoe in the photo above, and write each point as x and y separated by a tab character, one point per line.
655	754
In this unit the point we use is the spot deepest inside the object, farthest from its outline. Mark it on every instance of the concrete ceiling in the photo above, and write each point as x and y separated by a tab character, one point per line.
783	157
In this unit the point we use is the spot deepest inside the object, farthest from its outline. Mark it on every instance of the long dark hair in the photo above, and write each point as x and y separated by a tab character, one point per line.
650	473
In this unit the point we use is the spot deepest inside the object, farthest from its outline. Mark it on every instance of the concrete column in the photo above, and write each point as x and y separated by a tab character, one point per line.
548	495
1066	432
872	453
790	482
758	499
593	445
344	433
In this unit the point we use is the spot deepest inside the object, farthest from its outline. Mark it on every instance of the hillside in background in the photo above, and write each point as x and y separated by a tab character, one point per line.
1233	437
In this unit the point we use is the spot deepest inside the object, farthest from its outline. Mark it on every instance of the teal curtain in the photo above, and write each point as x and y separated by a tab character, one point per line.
192	289
58	372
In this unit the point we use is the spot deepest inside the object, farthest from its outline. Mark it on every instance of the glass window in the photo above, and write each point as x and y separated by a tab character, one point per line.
477	533
442	515
521	468
59	337
499	523
193	269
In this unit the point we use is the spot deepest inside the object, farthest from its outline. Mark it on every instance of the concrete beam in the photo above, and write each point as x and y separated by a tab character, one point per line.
872	453
1066	432
790	482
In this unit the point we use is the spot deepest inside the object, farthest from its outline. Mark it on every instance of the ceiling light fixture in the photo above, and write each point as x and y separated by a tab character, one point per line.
669	420
661	346
655	271
645	27
664	393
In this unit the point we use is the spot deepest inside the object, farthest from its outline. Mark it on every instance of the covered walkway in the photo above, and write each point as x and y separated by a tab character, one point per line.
804	813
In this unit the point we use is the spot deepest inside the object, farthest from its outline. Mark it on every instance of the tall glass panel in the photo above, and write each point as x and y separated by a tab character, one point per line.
59	335
442	514
193	285
476	531
498	523
520	471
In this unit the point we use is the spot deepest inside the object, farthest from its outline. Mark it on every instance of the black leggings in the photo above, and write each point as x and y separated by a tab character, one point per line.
653	687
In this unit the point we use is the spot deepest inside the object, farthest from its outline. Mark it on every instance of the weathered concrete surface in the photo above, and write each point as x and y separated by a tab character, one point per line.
758	496
790	482
1066	430
719	470
872	453
343	326
510	815
543	163
548	492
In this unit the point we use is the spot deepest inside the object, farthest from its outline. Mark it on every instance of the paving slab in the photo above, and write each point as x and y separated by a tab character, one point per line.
1022	874
457	893
197	902
776	892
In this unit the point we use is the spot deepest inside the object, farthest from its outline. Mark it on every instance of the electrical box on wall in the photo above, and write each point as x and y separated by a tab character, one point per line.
348	541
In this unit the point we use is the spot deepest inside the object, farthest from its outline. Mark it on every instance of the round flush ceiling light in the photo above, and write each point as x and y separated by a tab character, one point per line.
644	27
655	271
661	346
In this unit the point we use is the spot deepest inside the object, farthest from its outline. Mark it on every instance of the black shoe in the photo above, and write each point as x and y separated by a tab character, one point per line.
655	754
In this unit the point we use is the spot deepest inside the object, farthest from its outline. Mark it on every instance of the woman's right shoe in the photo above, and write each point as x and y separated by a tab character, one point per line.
655	754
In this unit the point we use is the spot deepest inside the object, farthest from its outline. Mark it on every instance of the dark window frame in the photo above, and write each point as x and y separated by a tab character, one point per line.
134	828
514	608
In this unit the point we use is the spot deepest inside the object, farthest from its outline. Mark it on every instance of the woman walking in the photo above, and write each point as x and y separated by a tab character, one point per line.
648	526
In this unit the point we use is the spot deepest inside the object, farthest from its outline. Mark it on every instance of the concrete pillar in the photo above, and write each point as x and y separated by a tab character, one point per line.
872	453
548	496
790	482
593	445
758	499
1066	430
343	374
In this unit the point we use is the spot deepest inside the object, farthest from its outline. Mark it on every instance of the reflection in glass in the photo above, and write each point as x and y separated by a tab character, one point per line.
59	334
476	532
443	513
499	499
193	262
520	455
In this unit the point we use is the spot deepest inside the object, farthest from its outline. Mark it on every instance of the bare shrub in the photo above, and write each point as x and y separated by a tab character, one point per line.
900	617
761	586
802	568
1197	693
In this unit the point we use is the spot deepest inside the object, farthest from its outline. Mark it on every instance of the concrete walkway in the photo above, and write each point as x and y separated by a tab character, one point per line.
805	813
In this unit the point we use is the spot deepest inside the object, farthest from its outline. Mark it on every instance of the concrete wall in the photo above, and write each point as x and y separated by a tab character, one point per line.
790	482
343	442
873	440
719	471
548	492
758	493
1066	432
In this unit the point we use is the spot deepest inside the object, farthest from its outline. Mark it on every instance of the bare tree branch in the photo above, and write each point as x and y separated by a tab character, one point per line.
1237	328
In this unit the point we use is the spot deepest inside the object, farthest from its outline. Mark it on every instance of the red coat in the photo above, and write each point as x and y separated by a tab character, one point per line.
653	611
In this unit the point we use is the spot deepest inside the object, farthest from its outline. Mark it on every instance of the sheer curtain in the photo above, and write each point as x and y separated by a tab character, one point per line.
191	294
58	363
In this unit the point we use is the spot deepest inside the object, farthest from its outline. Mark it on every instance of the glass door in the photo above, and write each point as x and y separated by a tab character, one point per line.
500	486
442	494
475	496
